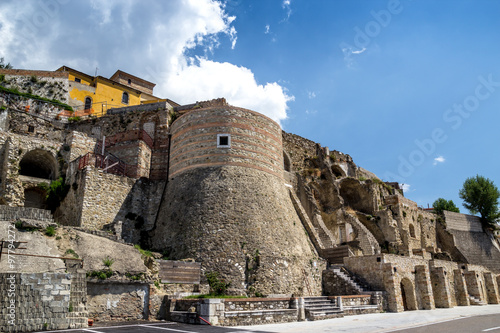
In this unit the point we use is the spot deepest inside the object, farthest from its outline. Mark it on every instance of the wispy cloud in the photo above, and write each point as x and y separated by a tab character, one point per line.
311	94
267	28
348	55
359	51
287	7
439	159
311	111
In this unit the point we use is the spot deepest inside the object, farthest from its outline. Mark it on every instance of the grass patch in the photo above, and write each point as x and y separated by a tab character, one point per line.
101	275
72	252
27	95
212	296
108	261
146	253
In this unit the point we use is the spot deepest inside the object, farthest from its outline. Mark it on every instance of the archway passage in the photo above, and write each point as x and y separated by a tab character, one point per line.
408	295
34	198
403	295
39	163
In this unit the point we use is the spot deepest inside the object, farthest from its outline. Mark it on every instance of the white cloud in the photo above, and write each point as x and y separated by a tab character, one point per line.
311	94
405	187
439	159
267	28
166	42
287	6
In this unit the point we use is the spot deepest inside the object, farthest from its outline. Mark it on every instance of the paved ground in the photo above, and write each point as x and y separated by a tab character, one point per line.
458	319
418	321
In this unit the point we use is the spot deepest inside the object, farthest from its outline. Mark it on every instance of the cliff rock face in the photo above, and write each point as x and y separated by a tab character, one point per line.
356	208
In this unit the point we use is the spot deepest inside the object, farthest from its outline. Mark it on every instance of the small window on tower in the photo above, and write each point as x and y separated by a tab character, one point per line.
77	79
223	140
129	81
31	129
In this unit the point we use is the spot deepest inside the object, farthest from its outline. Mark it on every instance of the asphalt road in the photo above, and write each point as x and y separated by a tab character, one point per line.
456	320
156	328
487	323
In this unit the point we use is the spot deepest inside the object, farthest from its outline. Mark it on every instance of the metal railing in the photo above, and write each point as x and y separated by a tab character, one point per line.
109	164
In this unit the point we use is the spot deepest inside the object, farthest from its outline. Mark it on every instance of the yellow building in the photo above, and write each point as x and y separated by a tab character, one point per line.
97	94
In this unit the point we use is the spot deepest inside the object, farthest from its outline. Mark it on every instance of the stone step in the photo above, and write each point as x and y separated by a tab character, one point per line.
330	307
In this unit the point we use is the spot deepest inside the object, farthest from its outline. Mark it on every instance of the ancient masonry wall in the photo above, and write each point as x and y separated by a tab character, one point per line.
39	301
117	301
477	246
15	147
425	284
95	199
138	212
228	207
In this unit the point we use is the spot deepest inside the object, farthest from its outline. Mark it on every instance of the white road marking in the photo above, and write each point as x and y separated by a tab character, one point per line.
492	329
167	329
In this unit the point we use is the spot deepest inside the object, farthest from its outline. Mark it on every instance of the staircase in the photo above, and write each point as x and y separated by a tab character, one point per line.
357	286
319	308
321	237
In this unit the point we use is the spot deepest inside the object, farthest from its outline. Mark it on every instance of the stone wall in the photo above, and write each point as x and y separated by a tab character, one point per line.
95	200
470	242
254	141
462	222
110	301
38	301
233	312
236	218
15	213
139	209
40	153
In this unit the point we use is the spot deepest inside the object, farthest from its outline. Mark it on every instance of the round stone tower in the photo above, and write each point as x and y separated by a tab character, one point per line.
227	204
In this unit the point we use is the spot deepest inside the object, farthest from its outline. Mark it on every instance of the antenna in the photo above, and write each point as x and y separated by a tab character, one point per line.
96	71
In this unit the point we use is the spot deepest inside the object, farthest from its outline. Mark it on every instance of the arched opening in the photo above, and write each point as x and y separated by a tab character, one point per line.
338	171
408	295
88	103
286	162
412	231
40	164
34	198
125	98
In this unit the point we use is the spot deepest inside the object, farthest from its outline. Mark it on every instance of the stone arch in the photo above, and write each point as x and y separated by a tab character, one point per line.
34	197
287	164
409	299
412	231
39	163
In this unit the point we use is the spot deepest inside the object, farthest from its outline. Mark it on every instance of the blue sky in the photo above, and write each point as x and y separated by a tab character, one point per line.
410	88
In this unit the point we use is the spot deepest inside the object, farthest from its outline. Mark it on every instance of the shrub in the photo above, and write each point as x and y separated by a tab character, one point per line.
217	287
50	231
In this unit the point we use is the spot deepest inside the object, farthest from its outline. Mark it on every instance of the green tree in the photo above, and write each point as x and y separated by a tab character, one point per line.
5	65
480	196
442	204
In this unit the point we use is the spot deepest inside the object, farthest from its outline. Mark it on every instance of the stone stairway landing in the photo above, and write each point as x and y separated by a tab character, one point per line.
318	308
